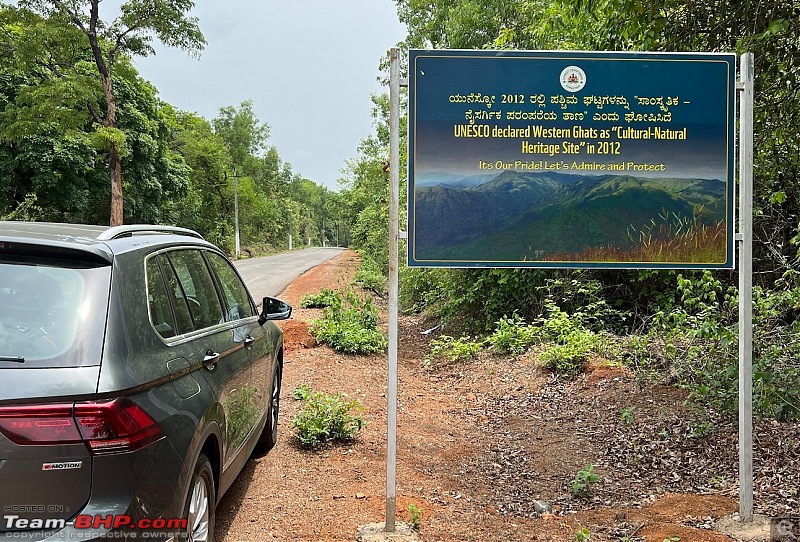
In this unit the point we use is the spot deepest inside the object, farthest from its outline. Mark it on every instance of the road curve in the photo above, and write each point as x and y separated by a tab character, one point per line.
270	275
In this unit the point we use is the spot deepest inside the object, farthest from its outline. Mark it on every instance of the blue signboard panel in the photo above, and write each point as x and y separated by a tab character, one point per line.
571	159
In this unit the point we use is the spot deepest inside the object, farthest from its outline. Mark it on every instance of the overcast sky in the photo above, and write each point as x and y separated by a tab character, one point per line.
309	66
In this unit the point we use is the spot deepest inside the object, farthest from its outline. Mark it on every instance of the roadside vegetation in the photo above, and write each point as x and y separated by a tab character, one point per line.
180	168
326	418
324	298
673	327
689	340
349	323
57	140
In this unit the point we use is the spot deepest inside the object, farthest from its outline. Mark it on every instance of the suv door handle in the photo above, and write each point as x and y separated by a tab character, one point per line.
248	341
210	359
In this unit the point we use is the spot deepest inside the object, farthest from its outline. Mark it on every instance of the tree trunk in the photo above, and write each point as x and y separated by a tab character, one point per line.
114	163
115	169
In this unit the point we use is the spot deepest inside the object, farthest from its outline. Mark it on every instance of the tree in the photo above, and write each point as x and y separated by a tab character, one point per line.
365	187
245	137
130	34
50	149
206	206
768	28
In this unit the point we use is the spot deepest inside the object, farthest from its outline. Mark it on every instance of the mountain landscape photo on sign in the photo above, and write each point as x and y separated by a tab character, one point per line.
551	216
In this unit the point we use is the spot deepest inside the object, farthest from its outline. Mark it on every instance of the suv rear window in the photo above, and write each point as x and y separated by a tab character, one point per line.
52	316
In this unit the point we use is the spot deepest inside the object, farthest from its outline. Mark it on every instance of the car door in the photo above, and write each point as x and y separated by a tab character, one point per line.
214	344
260	344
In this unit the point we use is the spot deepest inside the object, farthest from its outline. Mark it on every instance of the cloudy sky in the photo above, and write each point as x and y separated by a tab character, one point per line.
309	66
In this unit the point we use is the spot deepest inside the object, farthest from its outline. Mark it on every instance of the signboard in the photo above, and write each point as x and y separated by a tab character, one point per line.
571	159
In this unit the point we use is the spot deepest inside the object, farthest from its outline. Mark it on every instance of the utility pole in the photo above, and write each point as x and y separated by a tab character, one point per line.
290	229
235	210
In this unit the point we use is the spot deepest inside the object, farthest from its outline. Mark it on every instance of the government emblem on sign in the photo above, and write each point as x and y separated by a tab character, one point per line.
573	78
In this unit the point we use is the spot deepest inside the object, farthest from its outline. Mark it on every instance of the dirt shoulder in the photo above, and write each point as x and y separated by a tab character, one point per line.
479	443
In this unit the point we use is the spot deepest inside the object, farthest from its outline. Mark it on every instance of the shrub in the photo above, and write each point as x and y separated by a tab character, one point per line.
326	418
350	325
370	276
585	300
324	298
570	355
473	299
571	343
453	350
421	289
302	392
513	336
699	338
415	516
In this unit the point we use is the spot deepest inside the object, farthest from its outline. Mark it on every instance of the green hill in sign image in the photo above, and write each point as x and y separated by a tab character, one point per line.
544	216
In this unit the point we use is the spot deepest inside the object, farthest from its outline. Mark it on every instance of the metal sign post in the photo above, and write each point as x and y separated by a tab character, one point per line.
745	240
394	234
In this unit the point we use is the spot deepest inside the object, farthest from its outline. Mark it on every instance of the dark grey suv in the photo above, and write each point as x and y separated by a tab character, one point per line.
136	378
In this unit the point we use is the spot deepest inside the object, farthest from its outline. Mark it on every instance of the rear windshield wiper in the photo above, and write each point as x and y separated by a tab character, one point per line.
15	359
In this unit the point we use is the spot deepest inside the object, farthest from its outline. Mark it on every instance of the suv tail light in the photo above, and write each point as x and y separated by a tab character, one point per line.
45	424
105	427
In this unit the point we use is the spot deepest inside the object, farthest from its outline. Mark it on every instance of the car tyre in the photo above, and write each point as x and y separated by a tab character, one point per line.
269	436
200	503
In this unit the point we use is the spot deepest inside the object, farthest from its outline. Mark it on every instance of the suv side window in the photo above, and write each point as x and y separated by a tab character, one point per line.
197	287
235	296
182	316
158	300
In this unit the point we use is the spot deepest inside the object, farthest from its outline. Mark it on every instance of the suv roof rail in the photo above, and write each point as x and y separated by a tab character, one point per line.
128	230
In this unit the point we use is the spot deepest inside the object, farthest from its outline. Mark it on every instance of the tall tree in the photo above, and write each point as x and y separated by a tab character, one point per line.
245	136
365	186
129	34
50	147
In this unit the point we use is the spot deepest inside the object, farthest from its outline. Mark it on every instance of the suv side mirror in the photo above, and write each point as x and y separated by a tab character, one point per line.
273	308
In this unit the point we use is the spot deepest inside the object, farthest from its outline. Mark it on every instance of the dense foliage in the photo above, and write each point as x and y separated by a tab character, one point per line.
62	30
681	327
178	168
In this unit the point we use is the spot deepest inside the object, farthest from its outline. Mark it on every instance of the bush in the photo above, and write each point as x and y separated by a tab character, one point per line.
453	350
583	482
696	341
326	418
572	343
350	325
302	392
571	354
324	298
474	299
478	298
370	276
513	335
421	289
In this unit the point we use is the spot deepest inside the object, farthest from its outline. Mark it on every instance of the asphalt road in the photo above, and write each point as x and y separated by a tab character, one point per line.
270	275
